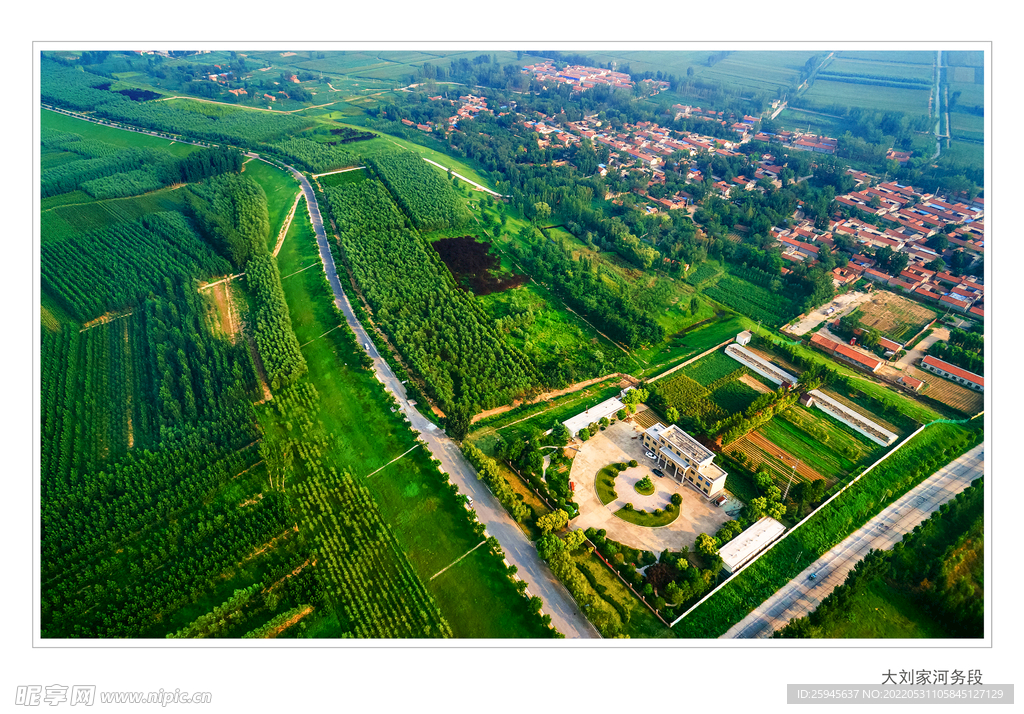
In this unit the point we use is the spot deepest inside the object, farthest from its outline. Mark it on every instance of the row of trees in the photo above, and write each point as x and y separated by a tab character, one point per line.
424	194
938	567
440	331
109	269
232	210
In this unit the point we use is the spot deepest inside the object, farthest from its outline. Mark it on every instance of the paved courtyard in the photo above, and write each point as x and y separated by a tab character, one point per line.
620	442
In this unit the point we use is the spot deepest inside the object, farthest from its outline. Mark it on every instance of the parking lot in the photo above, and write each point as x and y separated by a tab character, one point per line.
620	442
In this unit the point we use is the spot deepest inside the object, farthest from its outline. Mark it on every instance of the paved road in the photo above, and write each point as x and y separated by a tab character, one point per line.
921	349
802	595
519	551
558	603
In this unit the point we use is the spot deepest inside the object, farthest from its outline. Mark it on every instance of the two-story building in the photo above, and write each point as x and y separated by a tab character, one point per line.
682	457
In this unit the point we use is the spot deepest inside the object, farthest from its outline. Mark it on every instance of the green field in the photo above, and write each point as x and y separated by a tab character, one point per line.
970	152
112	136
889	56
692	341
64	221
707	369
642	622
281	189
851	65
734	396
343	177
832	462
476	598
824	93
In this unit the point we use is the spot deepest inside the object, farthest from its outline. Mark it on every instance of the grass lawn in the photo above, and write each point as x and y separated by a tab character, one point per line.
605	484
882	611
280	188
648	520
427	519
345	177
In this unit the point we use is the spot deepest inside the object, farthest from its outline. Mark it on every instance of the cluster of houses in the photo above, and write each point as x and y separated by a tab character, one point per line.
582	78
800	140
910	218
744	126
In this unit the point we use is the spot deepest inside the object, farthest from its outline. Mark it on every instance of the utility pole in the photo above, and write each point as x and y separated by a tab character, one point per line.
791	476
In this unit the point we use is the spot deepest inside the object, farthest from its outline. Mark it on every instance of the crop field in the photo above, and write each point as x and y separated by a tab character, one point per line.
964	58
758	70
950	393
832	461
792	118
824	93
734	397
715	366
703	273
967	126
889	56
855	404
852	65
752	300
894	316
757	452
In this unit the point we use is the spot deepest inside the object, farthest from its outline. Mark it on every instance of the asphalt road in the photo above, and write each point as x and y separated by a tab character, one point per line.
519	551
802	595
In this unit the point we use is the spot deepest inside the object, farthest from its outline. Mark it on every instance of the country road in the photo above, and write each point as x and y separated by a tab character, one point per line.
802	595
519	551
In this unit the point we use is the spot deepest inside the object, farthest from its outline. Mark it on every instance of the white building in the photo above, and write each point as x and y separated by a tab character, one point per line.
744	547
743	338
607	408
681	457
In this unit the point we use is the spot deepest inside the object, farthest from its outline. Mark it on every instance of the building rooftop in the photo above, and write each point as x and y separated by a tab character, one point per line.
751	541
954	370
686	444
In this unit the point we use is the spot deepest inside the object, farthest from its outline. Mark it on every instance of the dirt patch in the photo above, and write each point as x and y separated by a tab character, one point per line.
138	95
347	135
761	452
895	317
757	386
949	393
289	622
474	266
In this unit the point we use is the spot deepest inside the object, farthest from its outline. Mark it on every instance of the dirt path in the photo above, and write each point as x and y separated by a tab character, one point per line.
754	384
545	396
287	224
207	286
289	622
130	397
689	361
339	171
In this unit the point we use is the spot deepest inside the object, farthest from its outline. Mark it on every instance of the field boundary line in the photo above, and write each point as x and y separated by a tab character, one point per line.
300	270
319	336
456	561
816	510
689	361
392	460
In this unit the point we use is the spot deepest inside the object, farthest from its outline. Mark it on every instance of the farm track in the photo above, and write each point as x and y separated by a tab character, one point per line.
287	224
545	396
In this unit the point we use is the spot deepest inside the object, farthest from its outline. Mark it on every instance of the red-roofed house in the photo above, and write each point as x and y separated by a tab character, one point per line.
954	373
956	304
824	343
857	359
977	311
910	382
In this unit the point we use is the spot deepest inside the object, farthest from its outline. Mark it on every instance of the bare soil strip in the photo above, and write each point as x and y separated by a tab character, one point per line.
457	559
287	224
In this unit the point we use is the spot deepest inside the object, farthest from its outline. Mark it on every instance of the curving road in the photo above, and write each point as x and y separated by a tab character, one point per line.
519	551
802	595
